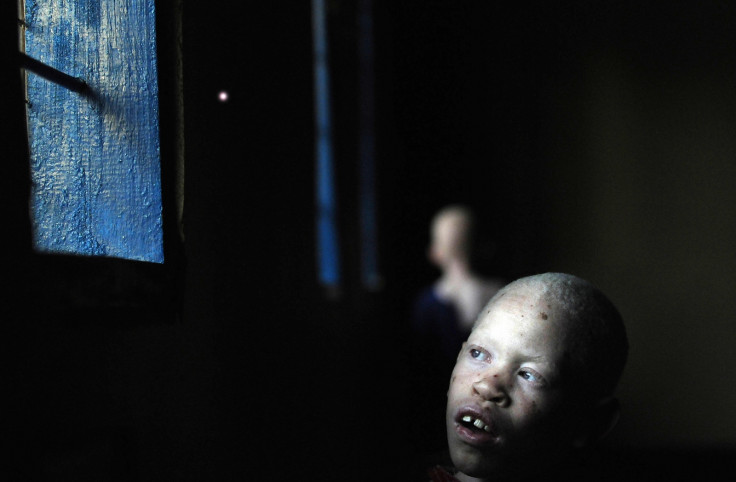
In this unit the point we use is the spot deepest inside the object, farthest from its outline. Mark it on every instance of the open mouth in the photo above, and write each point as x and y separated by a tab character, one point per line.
474	424
475	429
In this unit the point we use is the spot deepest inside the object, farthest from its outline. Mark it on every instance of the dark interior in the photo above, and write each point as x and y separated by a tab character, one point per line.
231	362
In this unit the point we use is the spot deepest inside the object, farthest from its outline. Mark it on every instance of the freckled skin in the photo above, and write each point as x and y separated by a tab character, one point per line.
530	419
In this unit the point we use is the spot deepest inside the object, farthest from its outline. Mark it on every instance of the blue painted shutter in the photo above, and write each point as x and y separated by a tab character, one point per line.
95	159
328	254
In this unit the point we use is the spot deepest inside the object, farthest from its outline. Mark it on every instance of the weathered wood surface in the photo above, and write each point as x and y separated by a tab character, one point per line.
95	159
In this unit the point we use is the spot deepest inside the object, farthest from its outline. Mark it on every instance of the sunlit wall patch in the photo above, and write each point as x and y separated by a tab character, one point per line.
95	154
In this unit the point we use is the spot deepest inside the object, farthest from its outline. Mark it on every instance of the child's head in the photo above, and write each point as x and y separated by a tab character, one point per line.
535	379
451	235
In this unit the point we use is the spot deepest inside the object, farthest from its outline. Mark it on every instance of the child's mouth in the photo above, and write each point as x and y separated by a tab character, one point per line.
474	424
475	429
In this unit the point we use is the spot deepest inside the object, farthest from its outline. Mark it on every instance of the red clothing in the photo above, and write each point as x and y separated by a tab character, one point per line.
440	474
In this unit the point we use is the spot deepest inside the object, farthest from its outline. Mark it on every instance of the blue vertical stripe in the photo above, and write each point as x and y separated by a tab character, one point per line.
328	255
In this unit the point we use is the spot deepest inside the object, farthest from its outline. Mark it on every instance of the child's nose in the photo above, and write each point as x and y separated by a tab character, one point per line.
492	385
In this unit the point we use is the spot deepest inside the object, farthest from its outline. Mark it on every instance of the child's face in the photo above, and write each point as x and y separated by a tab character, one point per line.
443	241
507	409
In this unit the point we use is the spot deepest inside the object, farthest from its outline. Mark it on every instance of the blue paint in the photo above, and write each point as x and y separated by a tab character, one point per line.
95	161
328	255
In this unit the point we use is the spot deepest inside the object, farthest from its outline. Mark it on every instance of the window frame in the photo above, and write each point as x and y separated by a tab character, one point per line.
124	292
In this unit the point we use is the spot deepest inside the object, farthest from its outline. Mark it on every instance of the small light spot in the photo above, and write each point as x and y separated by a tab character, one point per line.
223	96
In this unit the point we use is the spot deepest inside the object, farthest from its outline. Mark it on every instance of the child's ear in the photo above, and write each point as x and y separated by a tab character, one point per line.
604	417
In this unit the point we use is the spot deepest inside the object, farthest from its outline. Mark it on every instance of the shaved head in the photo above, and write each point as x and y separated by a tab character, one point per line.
596	342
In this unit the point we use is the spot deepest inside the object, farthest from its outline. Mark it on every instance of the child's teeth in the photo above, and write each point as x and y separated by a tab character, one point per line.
477	422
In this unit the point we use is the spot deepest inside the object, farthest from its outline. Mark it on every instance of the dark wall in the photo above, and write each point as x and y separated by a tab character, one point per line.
249	368
639	132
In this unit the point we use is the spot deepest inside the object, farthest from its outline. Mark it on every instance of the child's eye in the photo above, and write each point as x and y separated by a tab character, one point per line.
478	354
531	376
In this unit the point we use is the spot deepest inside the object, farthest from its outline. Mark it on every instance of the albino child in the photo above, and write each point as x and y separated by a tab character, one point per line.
533	386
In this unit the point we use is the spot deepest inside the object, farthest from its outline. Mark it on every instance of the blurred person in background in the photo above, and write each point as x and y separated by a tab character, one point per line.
443	316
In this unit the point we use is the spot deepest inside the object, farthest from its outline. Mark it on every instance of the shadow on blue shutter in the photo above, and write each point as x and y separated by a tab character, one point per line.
95	160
